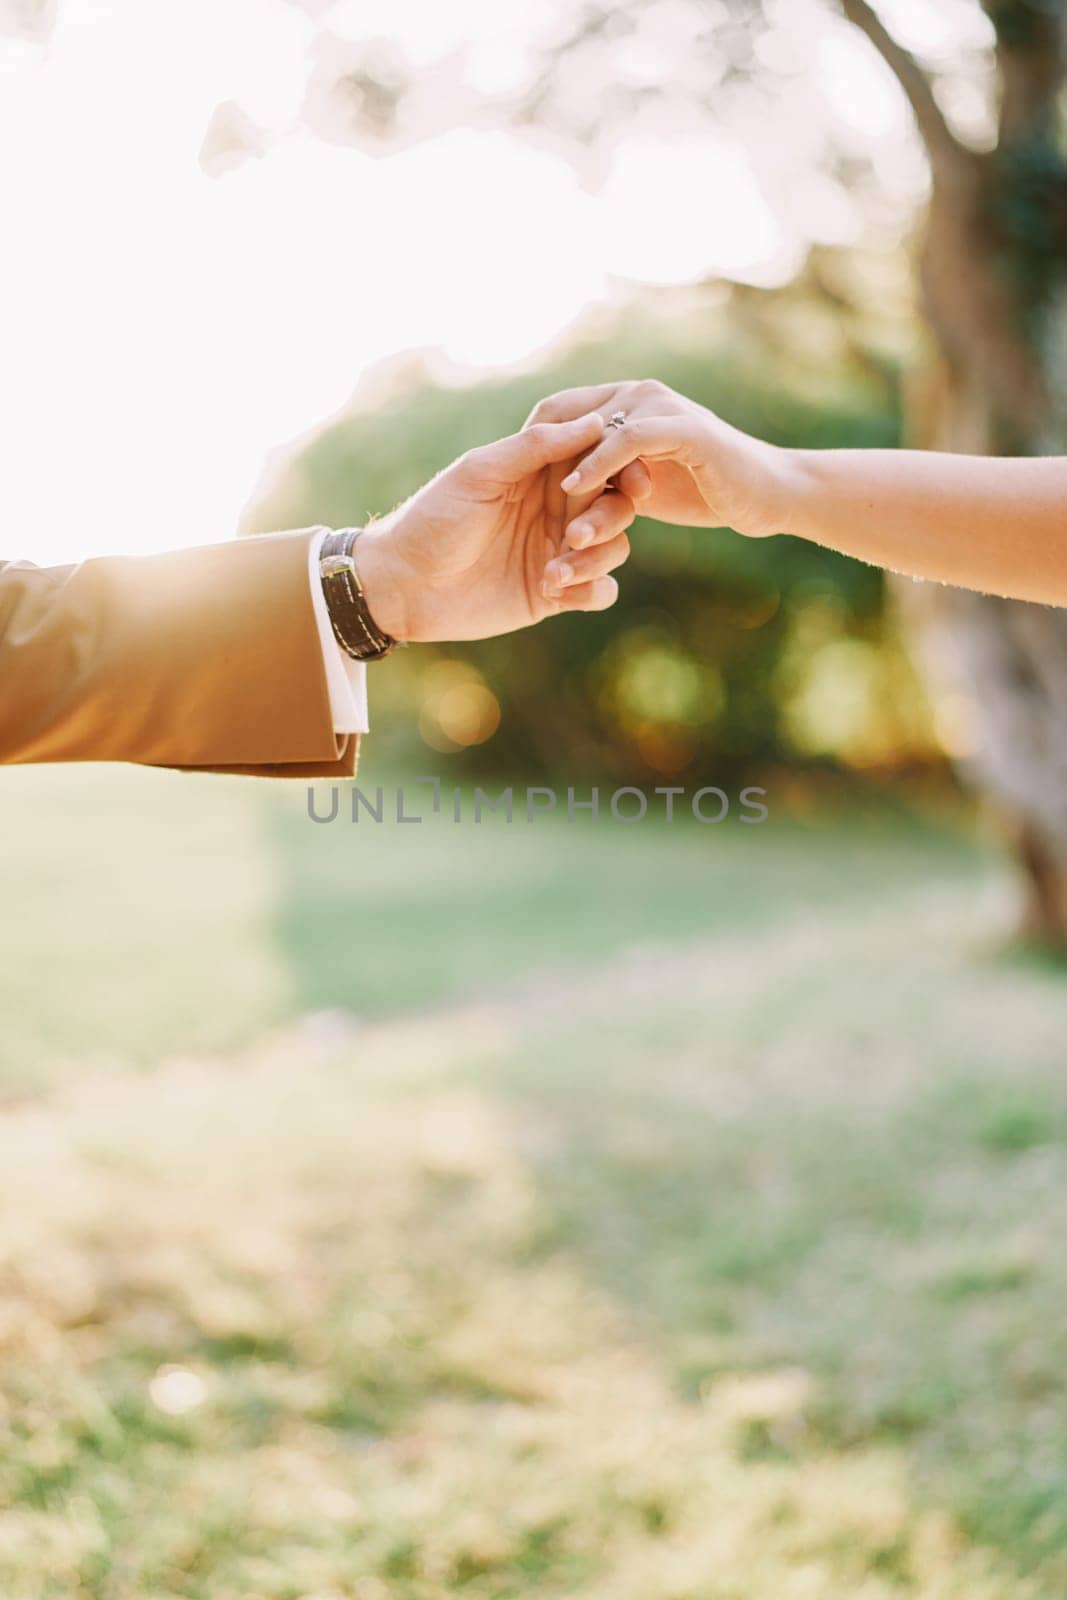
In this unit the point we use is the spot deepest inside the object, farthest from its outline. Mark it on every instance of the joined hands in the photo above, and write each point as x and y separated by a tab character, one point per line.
536	524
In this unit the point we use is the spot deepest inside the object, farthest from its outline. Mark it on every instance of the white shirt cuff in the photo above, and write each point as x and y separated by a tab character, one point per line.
346	679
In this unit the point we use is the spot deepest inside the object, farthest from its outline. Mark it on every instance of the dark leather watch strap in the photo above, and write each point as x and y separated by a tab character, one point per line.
354	628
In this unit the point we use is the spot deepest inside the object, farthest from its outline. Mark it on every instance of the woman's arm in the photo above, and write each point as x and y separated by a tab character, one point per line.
993	525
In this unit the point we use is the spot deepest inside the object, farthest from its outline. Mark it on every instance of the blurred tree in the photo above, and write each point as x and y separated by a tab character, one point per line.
993	254
994	292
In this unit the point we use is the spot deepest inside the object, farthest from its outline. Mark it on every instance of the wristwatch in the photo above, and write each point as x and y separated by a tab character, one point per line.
354	628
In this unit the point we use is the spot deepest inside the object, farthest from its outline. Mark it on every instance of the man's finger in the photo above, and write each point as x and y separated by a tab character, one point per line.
635	481
650	437
584	566
604	519
514	458
595	596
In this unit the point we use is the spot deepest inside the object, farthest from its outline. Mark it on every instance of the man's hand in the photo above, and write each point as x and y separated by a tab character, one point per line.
466	557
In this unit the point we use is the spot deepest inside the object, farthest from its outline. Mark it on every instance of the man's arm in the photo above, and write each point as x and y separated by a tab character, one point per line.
218	658
203	658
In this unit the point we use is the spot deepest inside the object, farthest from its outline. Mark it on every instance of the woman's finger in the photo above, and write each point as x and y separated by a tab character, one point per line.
604	519
570	403
651	437
595	596
578	567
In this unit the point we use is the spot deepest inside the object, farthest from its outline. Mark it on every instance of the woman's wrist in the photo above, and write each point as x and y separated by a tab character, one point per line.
801	492
765	488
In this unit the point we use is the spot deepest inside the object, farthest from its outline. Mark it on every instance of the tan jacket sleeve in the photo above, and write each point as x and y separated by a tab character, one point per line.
207	658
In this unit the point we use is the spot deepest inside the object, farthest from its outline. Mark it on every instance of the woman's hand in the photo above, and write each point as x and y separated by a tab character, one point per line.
998	526
675	460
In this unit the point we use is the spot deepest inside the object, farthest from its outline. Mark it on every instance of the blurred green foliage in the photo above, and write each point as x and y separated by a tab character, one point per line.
722	654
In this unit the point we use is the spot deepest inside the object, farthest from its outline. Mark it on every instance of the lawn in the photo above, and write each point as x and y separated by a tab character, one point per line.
554	1211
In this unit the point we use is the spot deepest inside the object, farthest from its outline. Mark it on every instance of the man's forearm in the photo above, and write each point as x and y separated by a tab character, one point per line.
979	523
208	657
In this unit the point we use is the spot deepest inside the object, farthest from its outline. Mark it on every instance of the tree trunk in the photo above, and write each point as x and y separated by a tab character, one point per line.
994	287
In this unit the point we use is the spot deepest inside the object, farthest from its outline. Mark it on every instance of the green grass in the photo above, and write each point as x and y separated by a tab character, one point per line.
669	1214
154	913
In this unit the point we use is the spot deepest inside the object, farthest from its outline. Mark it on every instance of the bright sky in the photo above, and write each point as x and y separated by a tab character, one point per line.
161	330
